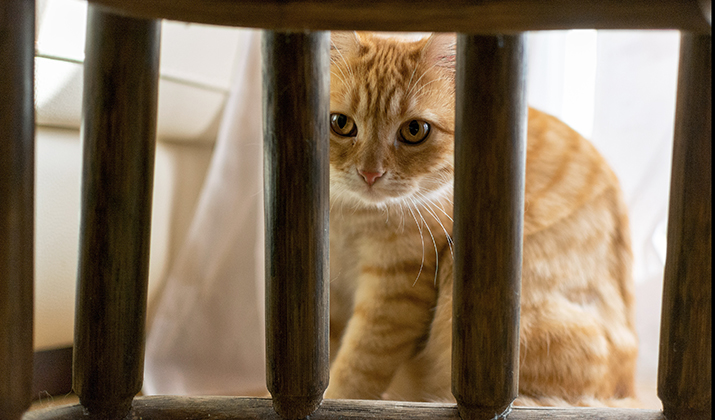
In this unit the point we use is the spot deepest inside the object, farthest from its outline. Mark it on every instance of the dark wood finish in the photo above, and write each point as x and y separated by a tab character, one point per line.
470	16
684	373
295	126
119	128
237	408
488	221
17	178
707	9
52	372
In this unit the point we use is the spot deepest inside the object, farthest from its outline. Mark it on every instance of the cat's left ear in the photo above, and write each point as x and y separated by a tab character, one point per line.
441	50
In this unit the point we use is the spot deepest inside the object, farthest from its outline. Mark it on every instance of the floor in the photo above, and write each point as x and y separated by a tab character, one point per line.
646	393
54	401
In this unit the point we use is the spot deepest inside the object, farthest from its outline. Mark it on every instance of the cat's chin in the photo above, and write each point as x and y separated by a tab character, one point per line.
366	200
375	199
372	200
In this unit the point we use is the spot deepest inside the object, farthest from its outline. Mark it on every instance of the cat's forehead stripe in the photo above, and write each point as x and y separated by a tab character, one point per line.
388	72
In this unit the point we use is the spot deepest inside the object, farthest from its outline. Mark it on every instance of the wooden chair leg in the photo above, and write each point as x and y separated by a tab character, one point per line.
17	178
684	371
488	222
119	128
296	110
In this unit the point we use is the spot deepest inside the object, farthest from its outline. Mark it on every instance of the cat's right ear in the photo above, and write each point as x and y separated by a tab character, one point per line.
441	50
345	42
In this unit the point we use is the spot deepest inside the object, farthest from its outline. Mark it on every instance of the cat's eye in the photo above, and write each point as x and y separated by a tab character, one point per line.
342	125
414	131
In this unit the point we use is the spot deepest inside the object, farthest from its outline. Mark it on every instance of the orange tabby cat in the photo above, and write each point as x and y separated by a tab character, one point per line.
391	177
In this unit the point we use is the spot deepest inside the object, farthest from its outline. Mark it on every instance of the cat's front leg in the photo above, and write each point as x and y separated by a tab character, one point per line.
392	312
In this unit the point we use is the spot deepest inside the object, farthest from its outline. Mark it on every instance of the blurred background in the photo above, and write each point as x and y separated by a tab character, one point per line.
205	335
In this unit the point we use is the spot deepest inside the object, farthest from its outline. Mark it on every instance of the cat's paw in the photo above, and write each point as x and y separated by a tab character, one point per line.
333	393
350	391
344	390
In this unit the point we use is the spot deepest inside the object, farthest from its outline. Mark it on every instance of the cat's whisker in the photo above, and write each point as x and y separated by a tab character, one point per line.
434	215
337	276
436	253
355	207
339	68
342	79
334	197
413	86
420	78
347	66
448	199
339	194
427	84
409	84
402	218
336	192
422	238
437	203
257	193
340	197
441	208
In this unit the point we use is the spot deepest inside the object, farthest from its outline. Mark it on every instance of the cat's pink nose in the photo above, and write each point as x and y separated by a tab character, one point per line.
370	177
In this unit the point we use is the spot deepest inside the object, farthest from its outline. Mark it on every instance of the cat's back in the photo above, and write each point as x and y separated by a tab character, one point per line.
564	172
577	332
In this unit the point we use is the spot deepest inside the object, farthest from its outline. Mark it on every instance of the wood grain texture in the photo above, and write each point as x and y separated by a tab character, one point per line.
17	177
488	221
237	408
469	16
295	127
685	365
119	128
706	8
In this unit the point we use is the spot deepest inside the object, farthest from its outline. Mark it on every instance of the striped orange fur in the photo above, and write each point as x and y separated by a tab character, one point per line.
391	177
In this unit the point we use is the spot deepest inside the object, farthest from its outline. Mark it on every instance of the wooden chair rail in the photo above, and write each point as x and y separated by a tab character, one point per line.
489	175
119	130
237	408
17	191
295	133
469	16
685	357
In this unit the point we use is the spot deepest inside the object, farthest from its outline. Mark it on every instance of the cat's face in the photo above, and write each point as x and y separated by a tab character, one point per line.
392	119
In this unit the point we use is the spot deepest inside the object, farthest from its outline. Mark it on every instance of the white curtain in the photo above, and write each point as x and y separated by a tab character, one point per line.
206	333
617	88
633	128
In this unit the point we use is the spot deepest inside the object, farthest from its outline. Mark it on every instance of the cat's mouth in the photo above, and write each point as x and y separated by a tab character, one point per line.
351	188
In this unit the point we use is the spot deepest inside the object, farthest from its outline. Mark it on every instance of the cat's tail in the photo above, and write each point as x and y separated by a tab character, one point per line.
585	401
